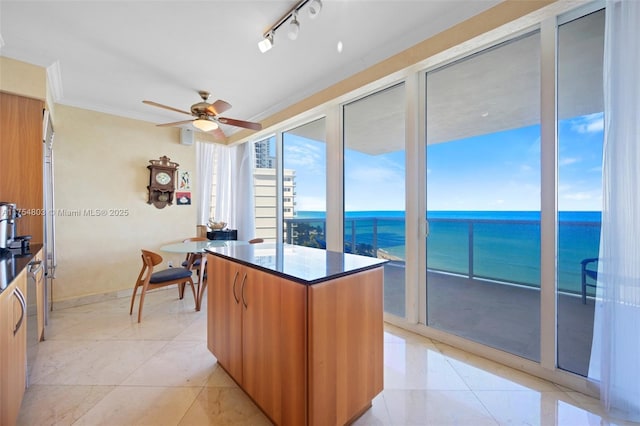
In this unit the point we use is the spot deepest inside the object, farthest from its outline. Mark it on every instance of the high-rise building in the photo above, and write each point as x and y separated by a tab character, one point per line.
265	191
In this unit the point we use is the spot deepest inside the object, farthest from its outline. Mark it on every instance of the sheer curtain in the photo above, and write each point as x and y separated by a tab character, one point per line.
616	347
234	188
205	155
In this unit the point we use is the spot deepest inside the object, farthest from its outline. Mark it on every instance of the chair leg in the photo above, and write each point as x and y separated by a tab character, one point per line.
140	304
203	286
193	290
133	298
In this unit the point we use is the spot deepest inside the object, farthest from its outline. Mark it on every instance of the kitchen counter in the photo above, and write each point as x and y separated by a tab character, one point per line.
11	266
304	265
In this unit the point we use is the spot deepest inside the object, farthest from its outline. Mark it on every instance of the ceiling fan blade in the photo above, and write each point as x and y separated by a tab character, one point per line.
218	107
175	123
219	135
240	123
165	107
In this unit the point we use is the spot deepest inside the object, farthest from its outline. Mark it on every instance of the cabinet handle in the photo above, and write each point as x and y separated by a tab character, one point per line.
35	267
23	306
244	280
235	278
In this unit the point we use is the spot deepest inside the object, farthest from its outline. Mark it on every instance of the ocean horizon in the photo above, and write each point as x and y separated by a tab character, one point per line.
506	244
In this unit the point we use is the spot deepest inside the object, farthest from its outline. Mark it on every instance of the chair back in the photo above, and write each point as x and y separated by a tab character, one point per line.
150	258
256	241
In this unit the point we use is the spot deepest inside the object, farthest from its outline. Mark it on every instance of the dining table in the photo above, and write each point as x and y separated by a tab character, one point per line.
195	250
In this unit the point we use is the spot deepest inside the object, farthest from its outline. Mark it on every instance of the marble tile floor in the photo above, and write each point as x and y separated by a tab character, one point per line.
98	366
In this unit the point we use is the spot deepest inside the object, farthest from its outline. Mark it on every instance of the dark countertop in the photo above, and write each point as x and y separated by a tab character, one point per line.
11	265
305	265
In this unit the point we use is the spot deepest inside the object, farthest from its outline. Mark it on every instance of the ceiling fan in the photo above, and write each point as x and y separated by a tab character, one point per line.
207	117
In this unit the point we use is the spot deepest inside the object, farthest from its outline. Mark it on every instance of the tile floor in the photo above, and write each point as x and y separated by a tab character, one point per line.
99	367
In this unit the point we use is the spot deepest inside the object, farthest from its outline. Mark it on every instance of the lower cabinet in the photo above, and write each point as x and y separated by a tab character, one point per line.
305	354
257	331
13	347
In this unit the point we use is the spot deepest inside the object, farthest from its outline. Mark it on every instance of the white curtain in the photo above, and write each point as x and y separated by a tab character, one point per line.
615	359
234	189
205	157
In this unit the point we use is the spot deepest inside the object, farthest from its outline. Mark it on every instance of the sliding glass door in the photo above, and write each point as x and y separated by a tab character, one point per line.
374	182
580	139
483	197
304	181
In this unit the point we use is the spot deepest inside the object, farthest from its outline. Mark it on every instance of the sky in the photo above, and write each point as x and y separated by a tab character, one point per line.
498	171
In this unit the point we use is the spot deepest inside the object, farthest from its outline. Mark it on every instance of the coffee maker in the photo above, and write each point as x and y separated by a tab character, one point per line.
8	238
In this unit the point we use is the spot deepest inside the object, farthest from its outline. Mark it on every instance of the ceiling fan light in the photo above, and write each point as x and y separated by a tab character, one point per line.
205	125
315	6
294	27
266	44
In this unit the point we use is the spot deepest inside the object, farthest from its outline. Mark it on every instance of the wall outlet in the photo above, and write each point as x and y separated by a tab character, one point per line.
170	263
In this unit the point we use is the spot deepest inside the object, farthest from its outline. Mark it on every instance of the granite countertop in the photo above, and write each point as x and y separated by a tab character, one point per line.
12	265
305	265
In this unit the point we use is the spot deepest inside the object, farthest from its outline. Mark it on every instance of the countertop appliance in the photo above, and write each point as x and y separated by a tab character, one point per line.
6	216
8	238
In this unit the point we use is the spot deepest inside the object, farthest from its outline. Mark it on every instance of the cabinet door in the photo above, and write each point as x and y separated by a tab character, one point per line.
13	347
224	314
274	345
21	161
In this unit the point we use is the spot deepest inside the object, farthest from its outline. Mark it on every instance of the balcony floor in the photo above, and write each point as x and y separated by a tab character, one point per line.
499	315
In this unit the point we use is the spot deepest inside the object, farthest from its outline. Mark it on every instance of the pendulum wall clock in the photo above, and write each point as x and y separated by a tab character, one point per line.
162	181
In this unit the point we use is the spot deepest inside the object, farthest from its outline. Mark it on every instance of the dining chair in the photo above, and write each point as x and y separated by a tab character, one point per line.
256	241
192	261
196	262
148	279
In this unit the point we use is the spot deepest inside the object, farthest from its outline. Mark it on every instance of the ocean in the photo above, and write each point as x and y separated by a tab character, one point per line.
505	244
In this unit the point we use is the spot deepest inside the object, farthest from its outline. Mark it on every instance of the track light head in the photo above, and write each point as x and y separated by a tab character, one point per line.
294	27
267	43
315	6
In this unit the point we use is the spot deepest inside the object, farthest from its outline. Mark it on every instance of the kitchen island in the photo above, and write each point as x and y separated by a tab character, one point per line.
299	329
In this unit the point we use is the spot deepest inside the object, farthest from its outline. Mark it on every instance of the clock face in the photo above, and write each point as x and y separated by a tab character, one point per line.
163	178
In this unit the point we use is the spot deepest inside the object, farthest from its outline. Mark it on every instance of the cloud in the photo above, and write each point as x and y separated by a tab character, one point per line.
578	196
591	123
569	160
374	174
302	155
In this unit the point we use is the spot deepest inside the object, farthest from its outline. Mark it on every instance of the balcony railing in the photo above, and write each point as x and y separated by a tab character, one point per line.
506	251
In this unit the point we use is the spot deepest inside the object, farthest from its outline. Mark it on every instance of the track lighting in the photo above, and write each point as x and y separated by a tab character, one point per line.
294	25
314	8
267	43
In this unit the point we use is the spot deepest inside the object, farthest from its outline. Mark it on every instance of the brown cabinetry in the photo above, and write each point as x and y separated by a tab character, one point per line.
21	161
13	347
306	354
256	329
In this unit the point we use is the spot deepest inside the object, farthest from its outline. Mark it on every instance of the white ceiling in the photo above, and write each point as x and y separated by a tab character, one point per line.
113	54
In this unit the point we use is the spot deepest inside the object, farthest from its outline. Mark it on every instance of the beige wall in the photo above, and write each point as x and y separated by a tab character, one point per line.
101	163
23	79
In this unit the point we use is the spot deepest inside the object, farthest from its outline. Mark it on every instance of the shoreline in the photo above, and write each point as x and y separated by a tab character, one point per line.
382	254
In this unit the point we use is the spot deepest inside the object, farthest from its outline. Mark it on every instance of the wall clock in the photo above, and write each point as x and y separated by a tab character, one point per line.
162	181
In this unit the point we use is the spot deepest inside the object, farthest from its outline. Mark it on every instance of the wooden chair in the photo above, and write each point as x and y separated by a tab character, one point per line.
148	279
196	262
256	241
192	261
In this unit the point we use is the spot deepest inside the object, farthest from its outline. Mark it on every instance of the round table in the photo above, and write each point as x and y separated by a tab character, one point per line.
199	246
